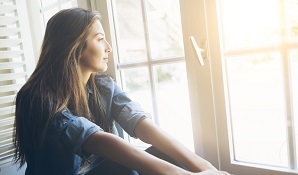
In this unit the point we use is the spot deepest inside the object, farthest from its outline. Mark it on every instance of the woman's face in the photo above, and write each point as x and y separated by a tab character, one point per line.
95	56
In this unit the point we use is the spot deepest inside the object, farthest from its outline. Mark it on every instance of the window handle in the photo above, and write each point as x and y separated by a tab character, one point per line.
198	51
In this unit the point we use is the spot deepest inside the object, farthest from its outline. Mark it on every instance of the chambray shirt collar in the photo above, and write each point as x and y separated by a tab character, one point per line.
89	91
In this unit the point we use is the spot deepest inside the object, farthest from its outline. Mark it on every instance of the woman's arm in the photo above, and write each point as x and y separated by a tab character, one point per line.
150	133
118	150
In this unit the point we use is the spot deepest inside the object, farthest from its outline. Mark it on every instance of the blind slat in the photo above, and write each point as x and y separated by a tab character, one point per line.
9	42
11	54
5	132
7	99
9	31
7	140
6	143
4	111
8	119
11	65
5	1
12	76
6	154
9	88
7	9
8	20
6	125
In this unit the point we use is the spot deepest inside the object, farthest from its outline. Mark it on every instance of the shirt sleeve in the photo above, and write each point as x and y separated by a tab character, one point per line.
129	113
119	106
130	116
74	131
77	132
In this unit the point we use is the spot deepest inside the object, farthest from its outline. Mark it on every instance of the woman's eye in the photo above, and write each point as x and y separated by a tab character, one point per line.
100	39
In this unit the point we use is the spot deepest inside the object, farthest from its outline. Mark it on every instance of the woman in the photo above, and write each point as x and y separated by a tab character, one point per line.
65	112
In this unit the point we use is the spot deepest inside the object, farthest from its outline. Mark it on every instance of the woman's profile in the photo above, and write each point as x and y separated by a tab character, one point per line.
66	112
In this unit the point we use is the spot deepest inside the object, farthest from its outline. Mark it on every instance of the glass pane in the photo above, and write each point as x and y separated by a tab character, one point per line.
257	109
45	3
173	101
48	14
164	28
250	23
294	81
292	19
137	84
130	31
69	4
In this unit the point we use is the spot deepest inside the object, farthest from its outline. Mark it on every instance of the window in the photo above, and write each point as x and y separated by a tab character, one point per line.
40	11
260	82
251	81
150	62
16	63
50	7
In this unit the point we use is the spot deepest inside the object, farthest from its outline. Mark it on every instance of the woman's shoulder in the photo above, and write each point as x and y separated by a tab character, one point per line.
103	78
104	81
32	98
27	94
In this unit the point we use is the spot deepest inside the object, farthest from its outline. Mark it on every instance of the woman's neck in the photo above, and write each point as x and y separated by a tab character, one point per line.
85	77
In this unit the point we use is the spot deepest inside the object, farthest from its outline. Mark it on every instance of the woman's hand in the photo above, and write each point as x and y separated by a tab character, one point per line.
213	172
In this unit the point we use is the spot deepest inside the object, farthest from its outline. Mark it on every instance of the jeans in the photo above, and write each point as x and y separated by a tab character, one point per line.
107	167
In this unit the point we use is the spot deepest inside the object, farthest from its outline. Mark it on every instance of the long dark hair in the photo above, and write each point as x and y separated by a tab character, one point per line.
56	82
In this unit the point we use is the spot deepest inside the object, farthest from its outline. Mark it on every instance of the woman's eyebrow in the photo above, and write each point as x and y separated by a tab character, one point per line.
99	33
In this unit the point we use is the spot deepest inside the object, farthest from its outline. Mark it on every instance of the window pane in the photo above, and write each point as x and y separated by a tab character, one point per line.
137	84
292	19
257	109
69	4
48	14
130	31
164	28
250	23
45	3
294	81
173	101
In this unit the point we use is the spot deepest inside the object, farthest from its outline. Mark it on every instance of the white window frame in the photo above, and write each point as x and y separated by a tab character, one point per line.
199	80
208	93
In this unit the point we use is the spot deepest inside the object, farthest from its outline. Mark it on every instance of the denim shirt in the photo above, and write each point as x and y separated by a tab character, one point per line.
62	152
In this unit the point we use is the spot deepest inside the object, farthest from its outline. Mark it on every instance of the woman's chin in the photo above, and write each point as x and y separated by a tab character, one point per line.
103	68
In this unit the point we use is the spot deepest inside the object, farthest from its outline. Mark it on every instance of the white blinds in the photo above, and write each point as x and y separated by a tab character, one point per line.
16	60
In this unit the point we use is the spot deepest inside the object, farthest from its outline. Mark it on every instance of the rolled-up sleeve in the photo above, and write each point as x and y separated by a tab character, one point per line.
77	132
119	106
130	116
126	112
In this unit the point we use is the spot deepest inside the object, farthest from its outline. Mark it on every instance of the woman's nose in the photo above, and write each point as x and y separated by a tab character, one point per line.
109	48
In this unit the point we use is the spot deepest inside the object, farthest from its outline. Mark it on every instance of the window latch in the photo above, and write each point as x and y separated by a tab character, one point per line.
198	51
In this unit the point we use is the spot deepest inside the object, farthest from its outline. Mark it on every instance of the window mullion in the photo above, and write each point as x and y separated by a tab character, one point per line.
288	92
149	58
152	62
290	113
289	109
